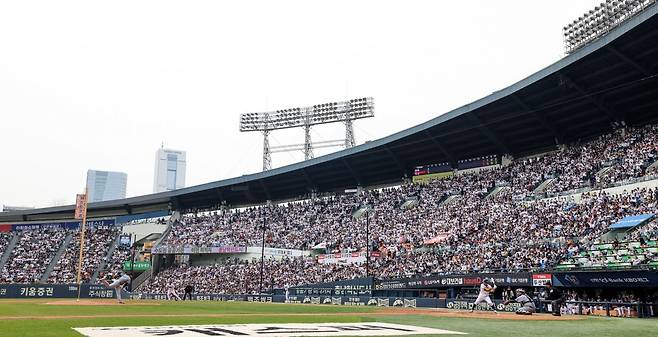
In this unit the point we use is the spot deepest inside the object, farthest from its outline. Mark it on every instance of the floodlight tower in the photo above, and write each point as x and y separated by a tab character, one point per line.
346	112
599	21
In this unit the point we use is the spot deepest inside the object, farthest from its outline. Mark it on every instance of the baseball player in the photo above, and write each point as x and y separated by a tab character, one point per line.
527	305
487	287
171	293
118	284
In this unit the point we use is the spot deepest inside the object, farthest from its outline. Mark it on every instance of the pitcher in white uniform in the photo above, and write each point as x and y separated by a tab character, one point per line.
118	284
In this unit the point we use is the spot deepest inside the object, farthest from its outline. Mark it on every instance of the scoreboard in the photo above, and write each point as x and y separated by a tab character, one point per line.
431	169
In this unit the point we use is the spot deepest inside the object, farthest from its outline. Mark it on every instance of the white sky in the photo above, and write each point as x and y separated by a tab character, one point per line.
99	85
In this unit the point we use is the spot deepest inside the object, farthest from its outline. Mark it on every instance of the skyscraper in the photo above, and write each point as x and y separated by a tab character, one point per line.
169	170
106	185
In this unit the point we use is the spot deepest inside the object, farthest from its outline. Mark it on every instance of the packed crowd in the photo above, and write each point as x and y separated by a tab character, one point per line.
479	233
474	230
119	256
538	236
464	223
236	276
31	256
4	242
623	154
97	242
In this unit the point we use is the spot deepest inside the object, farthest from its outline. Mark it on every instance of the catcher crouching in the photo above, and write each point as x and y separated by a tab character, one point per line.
527	305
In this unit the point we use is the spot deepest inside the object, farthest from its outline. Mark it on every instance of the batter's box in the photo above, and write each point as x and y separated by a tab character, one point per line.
272	330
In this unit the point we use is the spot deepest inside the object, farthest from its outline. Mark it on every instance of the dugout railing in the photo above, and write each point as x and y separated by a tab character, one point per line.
602	308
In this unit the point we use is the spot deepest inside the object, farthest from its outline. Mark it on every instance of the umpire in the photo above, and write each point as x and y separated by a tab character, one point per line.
554	295
189	289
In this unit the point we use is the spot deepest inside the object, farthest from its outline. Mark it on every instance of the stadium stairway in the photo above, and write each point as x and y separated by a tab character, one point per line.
450	199
146	275
602	171
142	278
543	186
8	249
653	166
108	257
496	190
58	255
409	203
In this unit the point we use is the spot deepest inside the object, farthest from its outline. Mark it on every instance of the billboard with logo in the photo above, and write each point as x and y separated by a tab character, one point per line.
540	280
611	279
449	281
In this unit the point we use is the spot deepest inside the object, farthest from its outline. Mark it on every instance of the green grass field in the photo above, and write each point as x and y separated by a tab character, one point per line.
33	318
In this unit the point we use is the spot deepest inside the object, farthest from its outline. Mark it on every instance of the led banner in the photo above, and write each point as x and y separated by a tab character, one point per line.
278	251
71	224
354	287
611	279
448	281
342	258
165	249
432	176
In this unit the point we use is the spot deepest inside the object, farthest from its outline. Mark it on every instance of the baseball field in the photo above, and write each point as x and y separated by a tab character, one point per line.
60	318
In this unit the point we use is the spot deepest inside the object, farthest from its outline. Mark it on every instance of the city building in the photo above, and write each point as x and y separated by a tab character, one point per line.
169	170
106	185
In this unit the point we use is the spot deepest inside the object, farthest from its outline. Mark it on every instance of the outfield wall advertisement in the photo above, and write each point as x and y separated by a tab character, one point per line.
54	291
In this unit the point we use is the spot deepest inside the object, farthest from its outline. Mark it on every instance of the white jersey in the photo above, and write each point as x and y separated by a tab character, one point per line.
483	296
483	290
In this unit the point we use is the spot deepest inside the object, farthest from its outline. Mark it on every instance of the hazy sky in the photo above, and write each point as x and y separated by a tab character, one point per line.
99	85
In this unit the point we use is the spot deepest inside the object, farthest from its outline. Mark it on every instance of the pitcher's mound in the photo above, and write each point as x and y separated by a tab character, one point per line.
98	302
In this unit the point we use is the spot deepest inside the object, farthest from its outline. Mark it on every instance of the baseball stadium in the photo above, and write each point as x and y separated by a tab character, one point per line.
528	212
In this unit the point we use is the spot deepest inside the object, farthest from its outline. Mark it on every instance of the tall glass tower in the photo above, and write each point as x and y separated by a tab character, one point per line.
169	170
106	185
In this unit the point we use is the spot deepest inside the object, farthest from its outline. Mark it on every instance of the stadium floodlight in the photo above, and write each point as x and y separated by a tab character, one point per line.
599	21
345	112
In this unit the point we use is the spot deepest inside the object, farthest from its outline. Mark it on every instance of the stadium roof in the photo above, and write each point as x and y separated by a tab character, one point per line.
611	80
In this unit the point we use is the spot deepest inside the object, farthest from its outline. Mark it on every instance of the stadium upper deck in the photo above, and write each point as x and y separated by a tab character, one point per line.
612	80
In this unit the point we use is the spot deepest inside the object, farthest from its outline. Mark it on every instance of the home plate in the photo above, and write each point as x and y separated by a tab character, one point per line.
273	330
